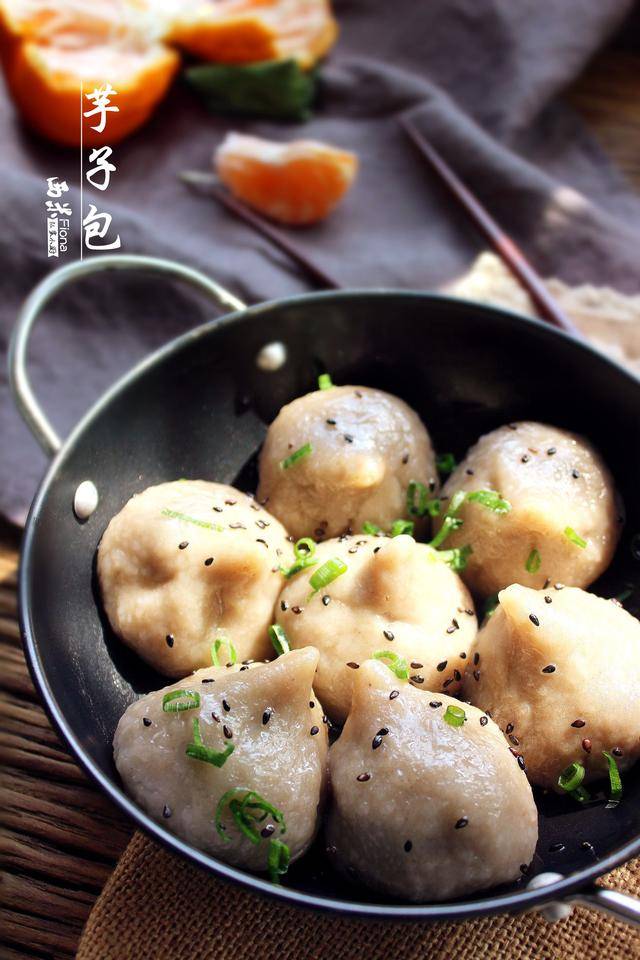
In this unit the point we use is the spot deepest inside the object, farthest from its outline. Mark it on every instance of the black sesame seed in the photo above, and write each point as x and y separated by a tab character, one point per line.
405	458
462	655
417	679
208	561
166	812
215	717
556	847
326	600
284	605
231	503
441	666
227	732
268	830
262	524
578	723
550	668
476	675
383	731
447	682
509	728
457	675
353	549
146	721
170	639
266	716
353	664
394	694
263	542
586	745
546	583
388	635
476	658
432	486
514	740
483	721
407	846
312	704
525	458
551	451
524	869
548	599
218	509
585	845
435	703
376	549
363	777
375	743
296	609
469	472
331	422
348	438
462	822
183	545
225	706
314	730
534	620
617	752
415	665
575	474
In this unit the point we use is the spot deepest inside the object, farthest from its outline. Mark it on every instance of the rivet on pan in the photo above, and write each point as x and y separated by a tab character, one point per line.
272	356
85	500
555	910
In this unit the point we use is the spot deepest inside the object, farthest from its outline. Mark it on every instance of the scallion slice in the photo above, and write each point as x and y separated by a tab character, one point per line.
615	780
534	561
448	525
402	527
457	557
298	454
278	860
279	639
327	573
372	529
418	502
325	382
490	499
198	751
178	700
491	605
215	650
304	551
446	463
176	515
454	716
396	663
574	537
571	777
243	805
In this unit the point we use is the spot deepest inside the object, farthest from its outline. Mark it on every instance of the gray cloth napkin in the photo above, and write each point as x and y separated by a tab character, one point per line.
482	79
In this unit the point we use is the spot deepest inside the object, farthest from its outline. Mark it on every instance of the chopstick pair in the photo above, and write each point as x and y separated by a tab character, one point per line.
509	252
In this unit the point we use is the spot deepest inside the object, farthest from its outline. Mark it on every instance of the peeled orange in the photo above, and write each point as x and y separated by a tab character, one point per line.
56	53
294	183
249	31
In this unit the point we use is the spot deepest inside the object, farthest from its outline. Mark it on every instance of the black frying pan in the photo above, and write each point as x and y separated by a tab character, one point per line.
199	407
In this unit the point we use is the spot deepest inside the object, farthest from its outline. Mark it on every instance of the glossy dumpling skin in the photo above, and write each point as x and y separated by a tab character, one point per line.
546	497
565	689
170	586
446	811
367	447
395	595
280	759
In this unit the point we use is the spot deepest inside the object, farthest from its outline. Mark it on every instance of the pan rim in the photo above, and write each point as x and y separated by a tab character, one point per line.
519	901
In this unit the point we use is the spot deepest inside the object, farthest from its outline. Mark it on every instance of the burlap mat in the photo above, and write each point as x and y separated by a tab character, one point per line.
158	907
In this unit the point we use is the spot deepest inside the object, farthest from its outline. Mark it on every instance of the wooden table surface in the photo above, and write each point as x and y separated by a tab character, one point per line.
59	838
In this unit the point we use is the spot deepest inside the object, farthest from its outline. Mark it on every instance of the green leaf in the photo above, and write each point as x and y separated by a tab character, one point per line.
274	89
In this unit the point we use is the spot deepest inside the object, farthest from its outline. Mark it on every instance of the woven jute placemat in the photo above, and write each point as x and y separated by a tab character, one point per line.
159	907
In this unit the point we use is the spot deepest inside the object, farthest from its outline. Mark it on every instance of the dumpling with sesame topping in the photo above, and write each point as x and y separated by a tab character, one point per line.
337	458
563	523
427	802
188	562
232	760
559	672
395	599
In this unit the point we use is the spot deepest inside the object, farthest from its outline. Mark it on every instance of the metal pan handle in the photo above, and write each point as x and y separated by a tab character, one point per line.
26	402
622	906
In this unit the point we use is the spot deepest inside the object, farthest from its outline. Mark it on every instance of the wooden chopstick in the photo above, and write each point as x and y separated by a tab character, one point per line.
513	257
208	183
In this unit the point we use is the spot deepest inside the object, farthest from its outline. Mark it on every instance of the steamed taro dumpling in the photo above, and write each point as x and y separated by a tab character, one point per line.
395	596
337	458
563	525
269	715
187	562
559	672
421	809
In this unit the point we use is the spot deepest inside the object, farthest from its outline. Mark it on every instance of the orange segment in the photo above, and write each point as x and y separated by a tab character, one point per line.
248	31
295	183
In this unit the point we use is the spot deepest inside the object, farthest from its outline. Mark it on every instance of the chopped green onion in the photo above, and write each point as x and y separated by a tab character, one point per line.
457	557
289	461
278	860
615	781
570	534
178	700
423	505
324	382
243	813
372	529
176	515
401	527
279	639
490	499
533	561
571	778
304	551
491	605
581	795
396	664
448	525
454	716
446	463
215	649
198	751
327	573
